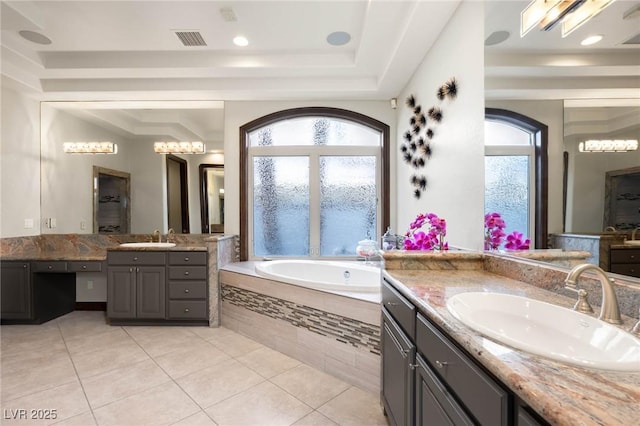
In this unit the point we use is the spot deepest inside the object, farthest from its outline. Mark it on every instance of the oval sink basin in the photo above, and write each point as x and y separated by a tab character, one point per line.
632	243
148	245
548	330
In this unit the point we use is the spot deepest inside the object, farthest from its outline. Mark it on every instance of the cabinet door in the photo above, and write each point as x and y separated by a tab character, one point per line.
434	405
121	292
15	291
397	379
150	292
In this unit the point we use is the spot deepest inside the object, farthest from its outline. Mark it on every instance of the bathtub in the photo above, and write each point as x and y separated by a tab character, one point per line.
323	274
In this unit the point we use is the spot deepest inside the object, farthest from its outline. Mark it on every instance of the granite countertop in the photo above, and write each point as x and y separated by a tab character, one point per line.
561	393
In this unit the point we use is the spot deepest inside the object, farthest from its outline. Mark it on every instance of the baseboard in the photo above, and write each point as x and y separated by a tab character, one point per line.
91	306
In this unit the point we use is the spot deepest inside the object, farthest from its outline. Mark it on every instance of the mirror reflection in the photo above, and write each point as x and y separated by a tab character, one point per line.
212	198
70	188
589	199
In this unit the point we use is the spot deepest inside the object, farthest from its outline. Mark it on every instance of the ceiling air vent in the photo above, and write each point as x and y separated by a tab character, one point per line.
191	38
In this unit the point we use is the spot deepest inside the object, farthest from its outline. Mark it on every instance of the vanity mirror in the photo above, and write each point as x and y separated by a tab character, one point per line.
586	172
67	180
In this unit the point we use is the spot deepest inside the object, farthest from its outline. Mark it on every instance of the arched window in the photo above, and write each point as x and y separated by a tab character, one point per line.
314	181
516	173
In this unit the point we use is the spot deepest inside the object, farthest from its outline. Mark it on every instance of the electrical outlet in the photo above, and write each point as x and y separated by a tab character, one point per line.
89	285
54	223
83	224
28	223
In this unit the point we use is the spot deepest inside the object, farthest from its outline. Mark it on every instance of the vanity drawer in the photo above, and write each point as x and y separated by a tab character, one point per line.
136	258
400	309
625	256
630	269
80	266
187	273
188	258
54	266
192	309
487	401
188	290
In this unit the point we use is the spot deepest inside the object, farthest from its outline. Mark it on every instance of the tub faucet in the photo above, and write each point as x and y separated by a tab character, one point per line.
156	232
609	311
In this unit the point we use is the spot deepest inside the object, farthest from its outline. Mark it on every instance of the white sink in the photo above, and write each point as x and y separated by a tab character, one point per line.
548	330
148	245
632	243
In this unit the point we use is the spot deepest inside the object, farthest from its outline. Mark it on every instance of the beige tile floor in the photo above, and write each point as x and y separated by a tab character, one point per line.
85	372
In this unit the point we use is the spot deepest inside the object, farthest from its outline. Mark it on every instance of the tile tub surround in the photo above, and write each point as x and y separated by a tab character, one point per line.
561	393
336	333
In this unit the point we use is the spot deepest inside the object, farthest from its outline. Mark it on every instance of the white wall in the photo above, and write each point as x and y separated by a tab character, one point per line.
455	172
240	113
19	164
549	112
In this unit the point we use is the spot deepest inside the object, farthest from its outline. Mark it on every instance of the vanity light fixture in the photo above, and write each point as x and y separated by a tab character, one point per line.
90	148
608	145
178	147
548	13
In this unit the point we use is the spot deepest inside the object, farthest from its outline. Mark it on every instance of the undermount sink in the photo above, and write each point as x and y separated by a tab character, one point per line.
547	330
148	245
632	242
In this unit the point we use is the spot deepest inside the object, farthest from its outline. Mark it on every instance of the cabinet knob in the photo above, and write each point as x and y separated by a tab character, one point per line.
414	366
49	267
24	266
186	259
186	290
186	310
135	258
186	272
392	304
84	266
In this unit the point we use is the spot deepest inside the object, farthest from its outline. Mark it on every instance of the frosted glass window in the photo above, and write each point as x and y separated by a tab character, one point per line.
498	133
309	131
507	190
281	206
347	203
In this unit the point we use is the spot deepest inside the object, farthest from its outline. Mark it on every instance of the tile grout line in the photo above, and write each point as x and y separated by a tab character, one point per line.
58	323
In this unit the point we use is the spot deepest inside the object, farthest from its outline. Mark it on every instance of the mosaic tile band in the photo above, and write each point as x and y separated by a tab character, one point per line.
345	330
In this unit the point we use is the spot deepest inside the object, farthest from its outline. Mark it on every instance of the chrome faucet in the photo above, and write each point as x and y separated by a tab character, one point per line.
609	311
170	234
610	228
156	232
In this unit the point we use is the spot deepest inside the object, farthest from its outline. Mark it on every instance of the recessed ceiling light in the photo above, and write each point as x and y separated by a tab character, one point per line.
591	40
240	41
34	37
338	38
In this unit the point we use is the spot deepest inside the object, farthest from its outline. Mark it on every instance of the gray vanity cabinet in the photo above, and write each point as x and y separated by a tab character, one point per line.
136	285
428	380
15	290
187	285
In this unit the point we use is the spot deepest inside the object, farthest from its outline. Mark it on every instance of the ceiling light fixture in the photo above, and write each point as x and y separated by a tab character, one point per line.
591	40
178	147
90	148
240	41
34	37
608	145
548	13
